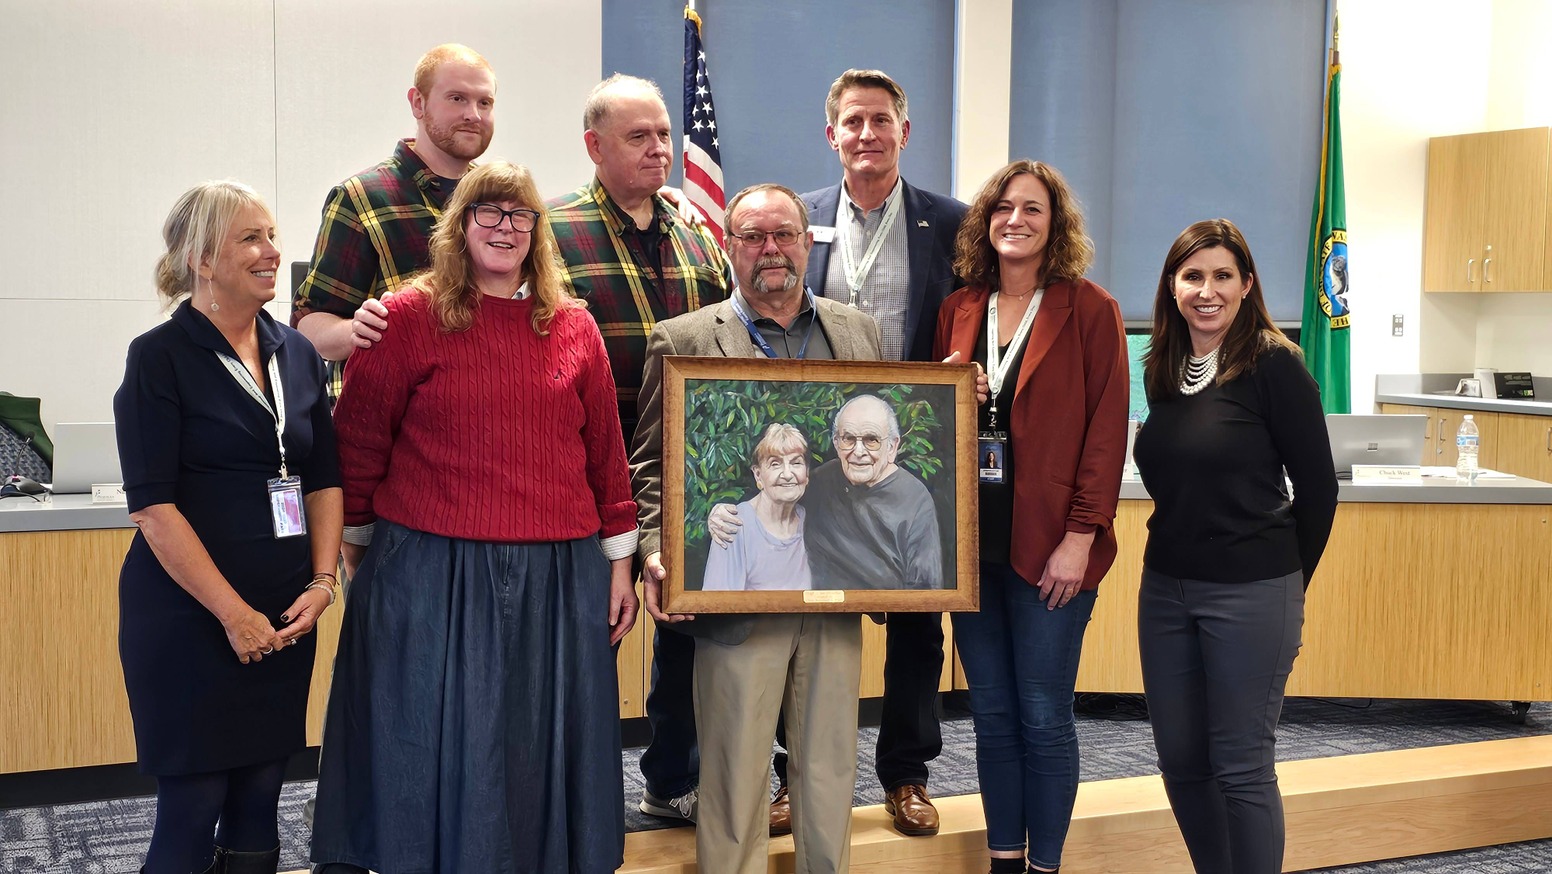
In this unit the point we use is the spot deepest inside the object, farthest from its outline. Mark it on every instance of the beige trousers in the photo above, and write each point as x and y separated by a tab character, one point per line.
809	662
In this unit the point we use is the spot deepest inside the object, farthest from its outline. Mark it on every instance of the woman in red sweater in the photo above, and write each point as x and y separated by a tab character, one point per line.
474	719
1054	349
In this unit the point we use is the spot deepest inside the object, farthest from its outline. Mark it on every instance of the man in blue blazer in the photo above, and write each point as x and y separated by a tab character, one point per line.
887	248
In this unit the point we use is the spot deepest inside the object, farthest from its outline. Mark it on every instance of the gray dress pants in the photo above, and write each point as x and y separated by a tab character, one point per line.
1215	662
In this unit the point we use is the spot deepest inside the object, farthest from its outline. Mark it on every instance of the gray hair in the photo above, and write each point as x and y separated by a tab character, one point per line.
600	99
893	420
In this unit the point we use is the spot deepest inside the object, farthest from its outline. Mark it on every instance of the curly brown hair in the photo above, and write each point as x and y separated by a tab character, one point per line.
1252	332
1069	253
450	282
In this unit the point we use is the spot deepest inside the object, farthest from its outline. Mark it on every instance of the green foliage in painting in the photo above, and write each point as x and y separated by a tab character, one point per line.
724	419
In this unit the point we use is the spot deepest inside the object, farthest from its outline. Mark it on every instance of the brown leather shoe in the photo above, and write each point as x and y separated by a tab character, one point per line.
912	809
781	813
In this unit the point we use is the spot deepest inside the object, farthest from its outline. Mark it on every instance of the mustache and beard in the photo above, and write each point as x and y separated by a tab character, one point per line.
771	262
446	139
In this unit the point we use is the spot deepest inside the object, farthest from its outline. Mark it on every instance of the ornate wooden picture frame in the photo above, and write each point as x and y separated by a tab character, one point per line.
764	511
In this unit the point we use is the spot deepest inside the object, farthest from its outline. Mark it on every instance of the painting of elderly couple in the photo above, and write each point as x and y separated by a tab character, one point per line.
833	490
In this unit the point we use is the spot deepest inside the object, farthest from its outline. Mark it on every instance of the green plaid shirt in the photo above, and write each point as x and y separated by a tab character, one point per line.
607	267
376	226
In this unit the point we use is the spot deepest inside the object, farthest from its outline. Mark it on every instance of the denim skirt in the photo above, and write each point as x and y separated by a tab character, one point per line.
474	721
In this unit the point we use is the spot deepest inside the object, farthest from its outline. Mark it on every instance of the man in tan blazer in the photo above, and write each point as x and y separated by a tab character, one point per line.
748	667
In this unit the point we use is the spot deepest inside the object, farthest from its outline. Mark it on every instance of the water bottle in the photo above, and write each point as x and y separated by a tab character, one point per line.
1466	440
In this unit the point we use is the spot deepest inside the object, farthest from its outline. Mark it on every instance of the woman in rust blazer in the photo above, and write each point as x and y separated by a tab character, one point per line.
1055	352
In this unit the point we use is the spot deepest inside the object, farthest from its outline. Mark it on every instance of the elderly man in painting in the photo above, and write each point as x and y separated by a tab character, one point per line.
874	523
769	553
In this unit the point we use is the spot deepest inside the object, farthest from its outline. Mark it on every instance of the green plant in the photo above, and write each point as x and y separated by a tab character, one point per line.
724	419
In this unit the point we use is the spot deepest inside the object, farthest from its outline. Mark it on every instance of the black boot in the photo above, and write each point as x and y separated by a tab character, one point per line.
239	862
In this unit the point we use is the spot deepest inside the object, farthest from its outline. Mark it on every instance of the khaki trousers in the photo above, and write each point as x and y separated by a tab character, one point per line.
808	663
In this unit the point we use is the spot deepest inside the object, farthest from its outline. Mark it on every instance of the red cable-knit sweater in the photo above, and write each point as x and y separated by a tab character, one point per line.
492	434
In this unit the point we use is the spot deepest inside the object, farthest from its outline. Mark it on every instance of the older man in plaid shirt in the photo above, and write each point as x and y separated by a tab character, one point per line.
636	262
376	224
627	252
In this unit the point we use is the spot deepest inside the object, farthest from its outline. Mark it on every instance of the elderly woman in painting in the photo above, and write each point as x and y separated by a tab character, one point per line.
769	554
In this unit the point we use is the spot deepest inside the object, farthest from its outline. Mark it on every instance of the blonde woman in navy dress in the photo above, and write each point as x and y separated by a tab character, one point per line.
227	446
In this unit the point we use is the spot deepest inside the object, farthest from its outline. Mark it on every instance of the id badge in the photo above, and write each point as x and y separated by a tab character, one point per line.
286	511
991	455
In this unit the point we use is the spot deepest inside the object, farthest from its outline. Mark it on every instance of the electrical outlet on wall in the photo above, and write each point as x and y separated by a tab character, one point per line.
1395	325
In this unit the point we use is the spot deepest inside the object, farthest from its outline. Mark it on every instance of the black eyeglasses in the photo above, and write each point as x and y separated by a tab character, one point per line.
756	239
848	442
489	215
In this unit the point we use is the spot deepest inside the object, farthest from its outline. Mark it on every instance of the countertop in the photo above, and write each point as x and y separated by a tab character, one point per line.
1434	490
61	513
1438	390
1456	402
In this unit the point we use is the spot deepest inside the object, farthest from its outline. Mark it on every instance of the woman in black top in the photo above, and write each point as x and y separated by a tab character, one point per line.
226	445
1229	551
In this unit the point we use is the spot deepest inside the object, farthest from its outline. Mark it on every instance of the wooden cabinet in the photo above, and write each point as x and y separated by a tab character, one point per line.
1439	436
1525	446
1488	220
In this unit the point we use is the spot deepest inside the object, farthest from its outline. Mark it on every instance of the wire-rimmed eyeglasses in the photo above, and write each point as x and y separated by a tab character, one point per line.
756	239
847	442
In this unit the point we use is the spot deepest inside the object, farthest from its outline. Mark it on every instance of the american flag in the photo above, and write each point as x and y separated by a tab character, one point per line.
702	156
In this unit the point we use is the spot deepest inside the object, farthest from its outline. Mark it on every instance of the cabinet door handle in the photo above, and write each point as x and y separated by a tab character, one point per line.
1439	438
1470	262
1549	438
1487	270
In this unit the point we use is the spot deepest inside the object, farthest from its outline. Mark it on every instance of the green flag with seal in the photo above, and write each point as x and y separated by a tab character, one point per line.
1324	332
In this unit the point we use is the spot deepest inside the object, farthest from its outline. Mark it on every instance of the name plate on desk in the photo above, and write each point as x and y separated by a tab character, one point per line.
1387	475
108	493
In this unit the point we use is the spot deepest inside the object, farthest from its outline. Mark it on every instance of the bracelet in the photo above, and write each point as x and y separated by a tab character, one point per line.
319	585
320	576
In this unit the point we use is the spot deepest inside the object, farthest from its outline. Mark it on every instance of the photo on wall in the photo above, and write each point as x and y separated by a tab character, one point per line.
818	485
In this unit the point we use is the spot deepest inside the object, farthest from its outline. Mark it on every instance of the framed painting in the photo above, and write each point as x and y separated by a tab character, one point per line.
831	486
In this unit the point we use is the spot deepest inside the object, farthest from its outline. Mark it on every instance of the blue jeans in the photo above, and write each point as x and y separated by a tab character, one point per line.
1021	661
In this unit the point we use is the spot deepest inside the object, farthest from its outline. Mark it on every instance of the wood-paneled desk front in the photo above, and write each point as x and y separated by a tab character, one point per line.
1425	592
1432	591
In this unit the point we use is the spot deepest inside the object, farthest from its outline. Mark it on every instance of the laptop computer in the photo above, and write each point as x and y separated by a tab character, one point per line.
85	453
1385	439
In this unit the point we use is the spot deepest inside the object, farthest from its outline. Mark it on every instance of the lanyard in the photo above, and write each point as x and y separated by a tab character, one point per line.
759	339
996	367
857	274
245	379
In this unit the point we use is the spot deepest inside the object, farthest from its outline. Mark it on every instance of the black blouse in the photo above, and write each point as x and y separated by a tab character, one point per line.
1214	462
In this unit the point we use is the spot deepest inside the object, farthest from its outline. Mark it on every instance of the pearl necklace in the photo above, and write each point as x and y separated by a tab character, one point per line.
1198	373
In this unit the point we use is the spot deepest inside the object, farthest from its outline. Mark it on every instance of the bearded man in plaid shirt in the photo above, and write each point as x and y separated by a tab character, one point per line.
376	223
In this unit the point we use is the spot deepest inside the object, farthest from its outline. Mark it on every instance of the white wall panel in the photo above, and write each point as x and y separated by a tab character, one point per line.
111	111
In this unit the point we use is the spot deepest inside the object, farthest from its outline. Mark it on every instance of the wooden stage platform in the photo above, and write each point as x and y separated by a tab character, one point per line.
1340	811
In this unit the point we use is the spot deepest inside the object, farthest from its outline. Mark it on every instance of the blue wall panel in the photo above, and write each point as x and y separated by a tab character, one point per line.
771	65
1215	111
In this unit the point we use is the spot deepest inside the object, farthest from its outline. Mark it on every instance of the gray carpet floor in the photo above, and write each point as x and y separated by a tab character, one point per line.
109	837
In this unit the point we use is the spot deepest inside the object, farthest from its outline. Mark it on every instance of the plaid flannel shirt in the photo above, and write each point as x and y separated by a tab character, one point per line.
376	226
607	268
